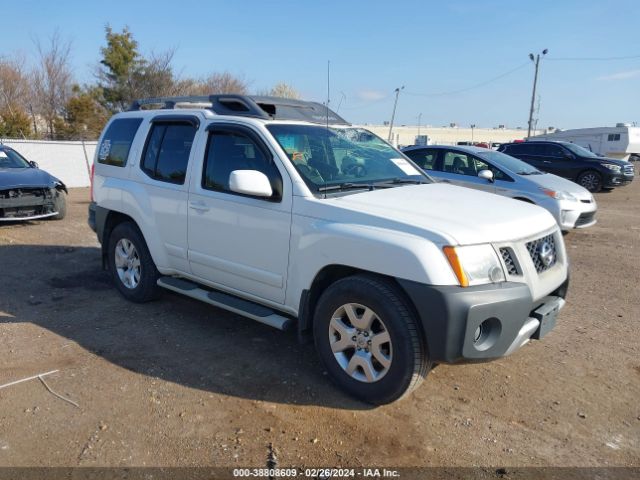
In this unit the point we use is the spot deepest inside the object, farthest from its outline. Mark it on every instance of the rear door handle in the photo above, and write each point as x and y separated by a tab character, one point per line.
546	161
200	206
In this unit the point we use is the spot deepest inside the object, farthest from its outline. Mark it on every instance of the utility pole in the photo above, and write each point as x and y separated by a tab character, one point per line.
419	119
395	104
536	60
473	125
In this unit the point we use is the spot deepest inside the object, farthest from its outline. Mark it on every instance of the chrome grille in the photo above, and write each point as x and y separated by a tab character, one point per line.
628	170
509	262
537	255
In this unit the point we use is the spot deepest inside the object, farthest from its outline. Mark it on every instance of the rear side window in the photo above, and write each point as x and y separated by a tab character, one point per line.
117	140
525	149
425	159
613	137
553	150
166	154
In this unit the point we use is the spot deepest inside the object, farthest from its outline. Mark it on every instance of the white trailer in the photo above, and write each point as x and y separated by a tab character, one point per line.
621	141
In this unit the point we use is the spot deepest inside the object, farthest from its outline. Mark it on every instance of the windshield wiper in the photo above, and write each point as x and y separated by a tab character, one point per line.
346	186
400	181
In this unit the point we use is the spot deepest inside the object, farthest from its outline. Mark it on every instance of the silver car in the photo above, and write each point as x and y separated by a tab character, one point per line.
572	205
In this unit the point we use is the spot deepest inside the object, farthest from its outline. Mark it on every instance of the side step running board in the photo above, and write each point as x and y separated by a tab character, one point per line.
219	299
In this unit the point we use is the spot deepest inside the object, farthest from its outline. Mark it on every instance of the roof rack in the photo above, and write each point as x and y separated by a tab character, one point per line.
267	108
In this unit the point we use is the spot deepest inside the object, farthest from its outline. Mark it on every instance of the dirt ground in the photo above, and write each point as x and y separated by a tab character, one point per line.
179	383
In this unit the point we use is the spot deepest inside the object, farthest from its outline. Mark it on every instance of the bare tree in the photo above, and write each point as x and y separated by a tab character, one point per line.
52	78
14	98
224	82
155	77
14	84
284	90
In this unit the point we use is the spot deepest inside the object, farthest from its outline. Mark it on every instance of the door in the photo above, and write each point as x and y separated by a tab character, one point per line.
163	172
238	242
461	168
558	160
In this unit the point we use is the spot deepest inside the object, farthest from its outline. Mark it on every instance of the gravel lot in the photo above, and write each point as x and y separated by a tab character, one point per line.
176	382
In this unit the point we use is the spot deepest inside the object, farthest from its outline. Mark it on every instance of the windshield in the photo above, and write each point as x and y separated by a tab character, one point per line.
509	163
578	150
11	159
328	158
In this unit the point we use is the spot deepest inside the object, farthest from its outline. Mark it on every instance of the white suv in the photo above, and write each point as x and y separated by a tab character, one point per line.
281	211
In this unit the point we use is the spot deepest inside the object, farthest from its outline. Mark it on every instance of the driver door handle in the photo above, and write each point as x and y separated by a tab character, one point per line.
199	206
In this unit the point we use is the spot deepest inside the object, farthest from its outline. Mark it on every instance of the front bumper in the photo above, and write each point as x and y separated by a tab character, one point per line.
484	322
20	204
578	214
617	180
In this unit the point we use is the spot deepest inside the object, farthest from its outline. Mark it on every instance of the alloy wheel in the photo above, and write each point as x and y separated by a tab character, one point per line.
360	342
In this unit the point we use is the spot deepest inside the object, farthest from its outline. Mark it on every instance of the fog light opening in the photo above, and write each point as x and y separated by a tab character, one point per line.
486	334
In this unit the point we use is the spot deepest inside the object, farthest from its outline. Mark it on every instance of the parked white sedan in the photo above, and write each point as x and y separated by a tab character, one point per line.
572	205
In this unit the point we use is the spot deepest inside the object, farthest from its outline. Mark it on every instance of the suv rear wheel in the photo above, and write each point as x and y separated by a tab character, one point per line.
132	269
368	339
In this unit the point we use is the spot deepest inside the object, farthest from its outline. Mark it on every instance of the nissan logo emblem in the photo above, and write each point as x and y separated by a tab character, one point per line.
545	253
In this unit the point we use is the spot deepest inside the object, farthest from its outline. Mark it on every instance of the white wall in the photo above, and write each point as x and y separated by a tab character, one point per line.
406	135
69	161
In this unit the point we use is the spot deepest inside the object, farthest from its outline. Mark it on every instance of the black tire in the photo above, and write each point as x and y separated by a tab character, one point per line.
591	180
147	288
409	359
60	205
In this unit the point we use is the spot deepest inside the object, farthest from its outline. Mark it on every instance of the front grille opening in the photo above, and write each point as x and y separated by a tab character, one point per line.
508	257
543	253
585	218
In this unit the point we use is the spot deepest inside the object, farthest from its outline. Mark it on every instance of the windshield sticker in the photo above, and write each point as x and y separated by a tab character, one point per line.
405	166
105	148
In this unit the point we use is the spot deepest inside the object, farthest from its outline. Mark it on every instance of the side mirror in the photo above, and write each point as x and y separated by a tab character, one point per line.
33	164
486	174
568	156
250	182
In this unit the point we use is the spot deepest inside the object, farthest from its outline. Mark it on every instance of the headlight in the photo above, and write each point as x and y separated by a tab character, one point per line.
558	195
611	166
475	264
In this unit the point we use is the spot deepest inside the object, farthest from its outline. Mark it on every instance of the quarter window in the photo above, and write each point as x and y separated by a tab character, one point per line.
166	153
229	150
116	142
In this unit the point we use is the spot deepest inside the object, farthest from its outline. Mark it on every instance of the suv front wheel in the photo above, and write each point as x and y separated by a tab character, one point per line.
368	339
130	264
591	180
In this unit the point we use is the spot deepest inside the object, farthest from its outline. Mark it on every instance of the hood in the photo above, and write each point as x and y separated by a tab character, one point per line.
25	178
553	182
615	161
446	214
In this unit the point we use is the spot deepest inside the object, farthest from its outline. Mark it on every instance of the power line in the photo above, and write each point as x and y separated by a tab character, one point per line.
589	59
477	85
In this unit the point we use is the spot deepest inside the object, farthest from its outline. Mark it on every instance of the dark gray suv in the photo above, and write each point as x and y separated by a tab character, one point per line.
573	162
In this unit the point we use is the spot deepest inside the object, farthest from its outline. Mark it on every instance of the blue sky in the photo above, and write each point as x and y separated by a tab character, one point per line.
375	46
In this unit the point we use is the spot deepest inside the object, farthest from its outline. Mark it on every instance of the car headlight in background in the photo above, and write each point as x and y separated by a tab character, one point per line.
475	264
611	166
558	195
